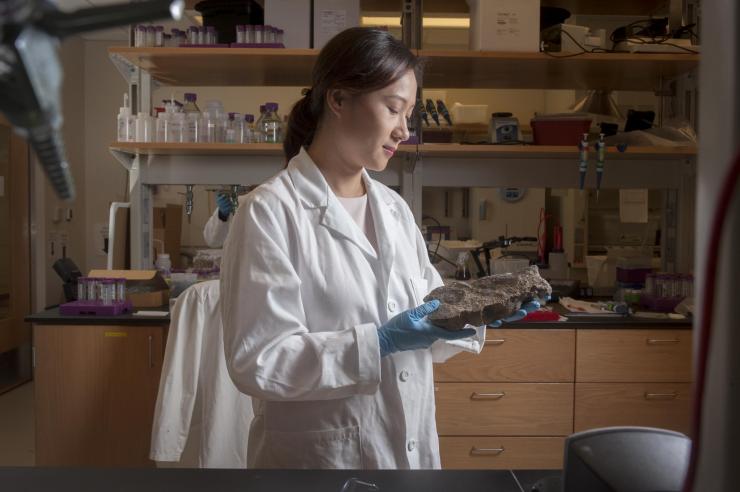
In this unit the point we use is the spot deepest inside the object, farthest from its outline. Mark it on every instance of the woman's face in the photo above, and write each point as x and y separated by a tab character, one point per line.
370	126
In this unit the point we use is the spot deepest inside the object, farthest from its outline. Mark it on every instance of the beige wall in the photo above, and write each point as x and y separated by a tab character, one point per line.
49	222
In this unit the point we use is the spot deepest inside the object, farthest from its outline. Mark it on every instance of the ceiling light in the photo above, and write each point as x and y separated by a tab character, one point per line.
450	22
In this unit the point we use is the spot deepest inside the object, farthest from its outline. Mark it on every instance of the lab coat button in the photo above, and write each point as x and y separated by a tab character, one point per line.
392	306
411	445
404	375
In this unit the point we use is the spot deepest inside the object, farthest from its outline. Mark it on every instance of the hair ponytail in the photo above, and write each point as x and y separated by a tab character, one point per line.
358	60
302	124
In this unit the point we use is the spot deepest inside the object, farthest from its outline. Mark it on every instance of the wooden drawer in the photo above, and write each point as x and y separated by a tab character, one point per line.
516	355
520	453
504	409
664	405
622	356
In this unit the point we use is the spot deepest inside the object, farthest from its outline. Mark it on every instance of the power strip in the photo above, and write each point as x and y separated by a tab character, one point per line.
647	45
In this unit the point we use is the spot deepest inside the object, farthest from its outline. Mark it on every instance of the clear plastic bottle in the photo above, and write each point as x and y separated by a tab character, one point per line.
249	34
202	36
240	33
151	34
144	128
82	289
140	36
159	36
193	35
179	128
126	126
259	34
163	265
248	133
121	289
191	103
211	35
272	124
280	36
268	35
259	133
233	128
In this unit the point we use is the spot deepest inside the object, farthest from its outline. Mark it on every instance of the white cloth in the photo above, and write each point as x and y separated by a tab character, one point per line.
360	213
201	419
216	230
303	296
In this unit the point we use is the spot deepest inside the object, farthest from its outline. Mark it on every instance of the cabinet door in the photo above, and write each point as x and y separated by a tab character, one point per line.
664	405
15	263
515	355
96	387
504	409
519	453
620	356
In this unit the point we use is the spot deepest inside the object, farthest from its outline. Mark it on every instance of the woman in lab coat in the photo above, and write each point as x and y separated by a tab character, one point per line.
324	276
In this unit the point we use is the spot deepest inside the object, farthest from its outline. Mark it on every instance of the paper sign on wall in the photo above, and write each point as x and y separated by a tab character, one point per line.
633	206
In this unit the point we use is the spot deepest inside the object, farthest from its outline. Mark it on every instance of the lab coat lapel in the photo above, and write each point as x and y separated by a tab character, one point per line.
386	219
336	218
315	192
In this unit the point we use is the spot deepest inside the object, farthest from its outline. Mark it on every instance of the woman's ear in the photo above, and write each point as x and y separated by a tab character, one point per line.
335	99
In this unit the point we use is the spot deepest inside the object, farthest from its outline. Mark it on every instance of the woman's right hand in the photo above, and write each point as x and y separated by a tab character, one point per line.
410	330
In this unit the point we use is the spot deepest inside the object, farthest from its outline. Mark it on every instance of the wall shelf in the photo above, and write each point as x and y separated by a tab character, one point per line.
222	66
445	69
206	149
605	71
584	7
548	151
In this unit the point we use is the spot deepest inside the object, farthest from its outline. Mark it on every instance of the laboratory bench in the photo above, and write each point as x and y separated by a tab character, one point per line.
190	480
510	407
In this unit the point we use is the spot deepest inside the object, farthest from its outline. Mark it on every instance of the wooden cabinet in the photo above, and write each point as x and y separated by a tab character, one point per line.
512	355
633	377
633	355
513	405
95	391
665	405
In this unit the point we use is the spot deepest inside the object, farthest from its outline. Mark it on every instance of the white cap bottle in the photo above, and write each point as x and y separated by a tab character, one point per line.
125	122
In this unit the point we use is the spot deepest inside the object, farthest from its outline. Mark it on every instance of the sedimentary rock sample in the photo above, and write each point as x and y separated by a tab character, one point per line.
486	299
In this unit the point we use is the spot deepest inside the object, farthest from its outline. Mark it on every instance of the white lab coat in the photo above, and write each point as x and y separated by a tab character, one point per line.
303	295
216	230
200	419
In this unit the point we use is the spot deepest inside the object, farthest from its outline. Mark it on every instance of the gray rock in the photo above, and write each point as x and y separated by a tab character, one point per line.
486	299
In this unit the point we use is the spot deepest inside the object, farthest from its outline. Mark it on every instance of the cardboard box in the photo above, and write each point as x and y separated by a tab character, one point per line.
505	25
294	18
331	17
167	232
144	288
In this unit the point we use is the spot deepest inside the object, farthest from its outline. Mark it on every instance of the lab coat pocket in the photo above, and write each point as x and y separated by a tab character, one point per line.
419	285
335	448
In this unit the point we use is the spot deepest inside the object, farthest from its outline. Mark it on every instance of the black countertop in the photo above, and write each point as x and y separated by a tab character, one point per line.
187	480
52	317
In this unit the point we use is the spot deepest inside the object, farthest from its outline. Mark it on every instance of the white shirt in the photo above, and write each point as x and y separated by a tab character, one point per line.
360	213
303	295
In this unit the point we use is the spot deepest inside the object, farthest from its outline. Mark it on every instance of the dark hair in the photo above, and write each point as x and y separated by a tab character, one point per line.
358	60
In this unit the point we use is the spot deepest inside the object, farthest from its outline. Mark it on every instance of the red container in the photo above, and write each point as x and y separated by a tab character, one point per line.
559	131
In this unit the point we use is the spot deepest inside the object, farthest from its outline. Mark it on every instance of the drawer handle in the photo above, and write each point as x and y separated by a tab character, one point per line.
494	341
487	396
659	341
475	451
661	396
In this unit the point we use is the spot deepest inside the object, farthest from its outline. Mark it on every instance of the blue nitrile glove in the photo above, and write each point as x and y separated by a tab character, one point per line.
410	330
225	207
522	313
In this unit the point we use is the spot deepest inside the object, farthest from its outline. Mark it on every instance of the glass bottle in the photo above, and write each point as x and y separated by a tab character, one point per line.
272	124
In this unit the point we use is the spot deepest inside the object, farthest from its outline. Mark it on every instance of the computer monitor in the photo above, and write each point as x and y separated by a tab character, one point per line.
625	459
